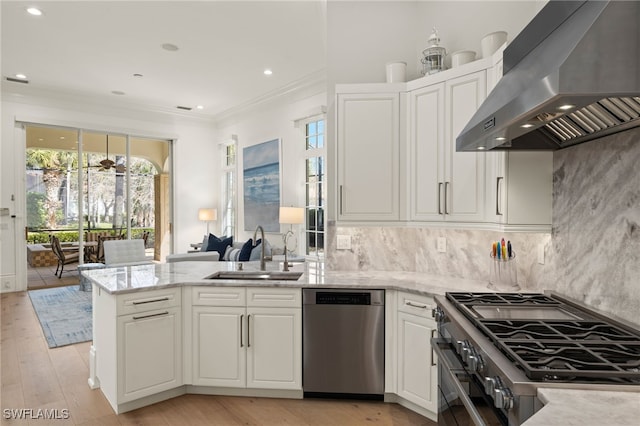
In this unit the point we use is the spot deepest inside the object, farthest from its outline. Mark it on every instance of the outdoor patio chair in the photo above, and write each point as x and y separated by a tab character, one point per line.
64	256
98	255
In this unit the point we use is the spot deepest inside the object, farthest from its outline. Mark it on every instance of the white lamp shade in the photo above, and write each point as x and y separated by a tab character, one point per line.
291	215
207	214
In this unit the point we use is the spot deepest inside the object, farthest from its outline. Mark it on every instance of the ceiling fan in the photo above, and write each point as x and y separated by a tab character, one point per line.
107	164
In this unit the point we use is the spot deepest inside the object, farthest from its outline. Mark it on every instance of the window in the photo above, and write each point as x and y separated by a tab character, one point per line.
229	189
315	187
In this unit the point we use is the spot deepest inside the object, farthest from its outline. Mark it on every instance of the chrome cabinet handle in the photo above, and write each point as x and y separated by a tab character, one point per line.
433	354
248	330
241	318
415	305
164	299
446	185
439	197
340	195
498	212
151	315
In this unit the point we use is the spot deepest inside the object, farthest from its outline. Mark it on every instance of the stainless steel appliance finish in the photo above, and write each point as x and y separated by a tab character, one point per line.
343	343
585	54
490	367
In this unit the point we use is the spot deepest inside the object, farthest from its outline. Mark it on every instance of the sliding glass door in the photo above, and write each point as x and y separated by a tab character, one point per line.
81	184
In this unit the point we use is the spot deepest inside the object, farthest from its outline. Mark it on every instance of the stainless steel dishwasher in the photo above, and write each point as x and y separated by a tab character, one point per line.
343	343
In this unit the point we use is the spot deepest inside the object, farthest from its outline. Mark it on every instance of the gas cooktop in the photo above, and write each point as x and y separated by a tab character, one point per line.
550	340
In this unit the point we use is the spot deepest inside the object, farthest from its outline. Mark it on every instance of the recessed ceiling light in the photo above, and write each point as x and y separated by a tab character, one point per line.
21	76
34	11
61	138
170	47
267	72
200	107
526	126
481	148
40	139
117	92
565	107
501	138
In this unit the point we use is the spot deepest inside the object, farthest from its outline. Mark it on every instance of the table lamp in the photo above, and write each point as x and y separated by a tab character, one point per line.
290	216
207	215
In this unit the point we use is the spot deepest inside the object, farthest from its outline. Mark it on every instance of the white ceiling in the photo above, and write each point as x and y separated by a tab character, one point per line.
89	49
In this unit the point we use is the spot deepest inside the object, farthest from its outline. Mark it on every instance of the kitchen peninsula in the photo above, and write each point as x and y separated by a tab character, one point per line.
162	330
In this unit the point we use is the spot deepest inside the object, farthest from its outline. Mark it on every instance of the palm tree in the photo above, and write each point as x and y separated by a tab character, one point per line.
53	165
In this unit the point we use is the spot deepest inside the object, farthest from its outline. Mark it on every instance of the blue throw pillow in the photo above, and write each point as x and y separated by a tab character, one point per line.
245	252
219	244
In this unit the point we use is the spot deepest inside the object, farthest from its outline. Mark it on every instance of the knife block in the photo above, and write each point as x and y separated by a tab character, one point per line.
503	273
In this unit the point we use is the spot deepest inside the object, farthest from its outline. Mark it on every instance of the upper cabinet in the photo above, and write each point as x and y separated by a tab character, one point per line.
368	148
445	185
397	161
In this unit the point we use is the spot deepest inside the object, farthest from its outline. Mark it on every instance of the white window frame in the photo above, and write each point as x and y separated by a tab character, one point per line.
229	193
307	154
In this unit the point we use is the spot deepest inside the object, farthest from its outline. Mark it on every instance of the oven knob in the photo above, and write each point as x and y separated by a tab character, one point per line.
489	384
503	398
438	314
461	346
475	361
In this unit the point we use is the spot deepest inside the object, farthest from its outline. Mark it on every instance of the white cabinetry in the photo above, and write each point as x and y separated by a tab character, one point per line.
520	190
138	344
519	184
368	146
445	184
464	171
247	338
417	366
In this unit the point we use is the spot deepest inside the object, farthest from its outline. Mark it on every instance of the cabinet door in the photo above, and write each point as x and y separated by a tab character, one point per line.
149	353
464	186
368	138
417	370
274	348
426	153
219	346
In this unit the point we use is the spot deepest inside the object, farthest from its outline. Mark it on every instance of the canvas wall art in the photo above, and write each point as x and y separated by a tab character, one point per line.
261	184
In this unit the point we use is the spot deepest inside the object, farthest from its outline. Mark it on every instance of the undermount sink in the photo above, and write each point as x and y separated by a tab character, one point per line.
255	275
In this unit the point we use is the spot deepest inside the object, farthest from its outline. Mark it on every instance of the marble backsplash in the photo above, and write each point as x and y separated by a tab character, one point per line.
414	249
592	254
595	241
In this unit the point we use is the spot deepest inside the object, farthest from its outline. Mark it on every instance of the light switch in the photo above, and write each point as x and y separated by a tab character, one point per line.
541	254
442	245
343	242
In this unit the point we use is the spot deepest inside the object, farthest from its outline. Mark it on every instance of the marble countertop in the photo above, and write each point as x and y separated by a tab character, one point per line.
565	407
562	406
129	279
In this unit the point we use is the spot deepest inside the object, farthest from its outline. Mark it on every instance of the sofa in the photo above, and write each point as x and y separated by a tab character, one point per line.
224	249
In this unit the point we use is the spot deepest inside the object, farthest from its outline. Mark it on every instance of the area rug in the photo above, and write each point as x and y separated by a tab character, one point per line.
64	314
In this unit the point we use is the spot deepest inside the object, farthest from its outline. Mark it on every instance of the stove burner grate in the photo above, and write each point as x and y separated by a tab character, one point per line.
553	360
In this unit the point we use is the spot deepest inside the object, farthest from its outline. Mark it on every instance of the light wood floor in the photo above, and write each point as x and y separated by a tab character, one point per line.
36	377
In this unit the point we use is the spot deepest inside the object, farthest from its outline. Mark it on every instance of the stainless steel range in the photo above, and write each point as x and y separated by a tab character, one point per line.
496	349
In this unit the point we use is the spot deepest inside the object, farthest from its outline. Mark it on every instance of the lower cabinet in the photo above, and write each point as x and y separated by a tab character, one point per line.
254	343
150	353
137	345
417	366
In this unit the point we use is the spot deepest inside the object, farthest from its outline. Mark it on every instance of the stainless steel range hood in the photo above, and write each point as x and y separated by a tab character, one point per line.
572	75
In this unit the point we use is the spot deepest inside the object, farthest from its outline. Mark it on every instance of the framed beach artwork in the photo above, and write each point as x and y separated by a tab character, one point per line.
261	185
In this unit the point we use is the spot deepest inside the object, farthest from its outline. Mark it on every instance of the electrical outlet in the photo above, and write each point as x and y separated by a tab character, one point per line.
442	245
541	254
343	242
7	283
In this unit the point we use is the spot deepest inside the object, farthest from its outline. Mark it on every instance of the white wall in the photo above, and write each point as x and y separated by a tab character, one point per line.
275	120
196	166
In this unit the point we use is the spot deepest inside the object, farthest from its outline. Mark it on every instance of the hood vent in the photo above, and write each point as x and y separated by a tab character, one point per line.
571	76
